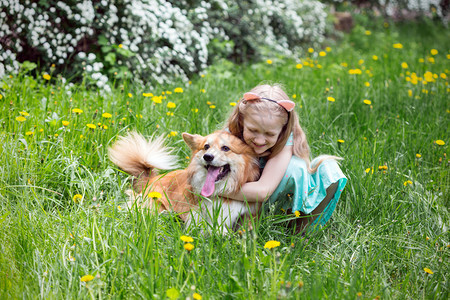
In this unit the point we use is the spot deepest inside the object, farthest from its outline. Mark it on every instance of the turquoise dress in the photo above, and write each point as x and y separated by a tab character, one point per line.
302	191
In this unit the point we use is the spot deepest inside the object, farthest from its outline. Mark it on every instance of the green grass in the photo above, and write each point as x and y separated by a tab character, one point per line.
378	242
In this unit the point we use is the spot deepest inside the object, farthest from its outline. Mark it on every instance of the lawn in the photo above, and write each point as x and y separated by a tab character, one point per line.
378	97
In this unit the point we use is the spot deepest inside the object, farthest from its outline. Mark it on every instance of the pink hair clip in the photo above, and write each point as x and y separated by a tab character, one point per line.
286	104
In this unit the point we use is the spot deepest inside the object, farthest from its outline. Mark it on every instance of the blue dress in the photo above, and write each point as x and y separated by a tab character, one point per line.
301	191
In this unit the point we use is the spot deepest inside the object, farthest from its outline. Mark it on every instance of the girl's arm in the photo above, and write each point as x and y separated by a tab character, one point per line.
273	172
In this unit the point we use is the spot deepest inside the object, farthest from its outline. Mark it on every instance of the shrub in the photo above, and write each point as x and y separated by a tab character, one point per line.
151	40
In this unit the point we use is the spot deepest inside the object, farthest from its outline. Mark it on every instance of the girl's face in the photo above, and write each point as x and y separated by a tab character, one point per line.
261	131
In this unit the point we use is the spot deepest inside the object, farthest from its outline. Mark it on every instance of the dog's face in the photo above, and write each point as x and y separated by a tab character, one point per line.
221	163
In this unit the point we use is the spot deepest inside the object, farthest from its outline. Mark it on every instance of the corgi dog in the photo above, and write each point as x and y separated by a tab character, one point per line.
221	163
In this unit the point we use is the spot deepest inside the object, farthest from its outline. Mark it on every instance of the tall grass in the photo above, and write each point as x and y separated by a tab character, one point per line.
389	232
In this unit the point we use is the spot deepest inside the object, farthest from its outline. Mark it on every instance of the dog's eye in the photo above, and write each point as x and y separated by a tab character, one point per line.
206	147
225	148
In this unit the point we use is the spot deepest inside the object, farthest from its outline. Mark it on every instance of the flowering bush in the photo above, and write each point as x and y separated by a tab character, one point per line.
151	40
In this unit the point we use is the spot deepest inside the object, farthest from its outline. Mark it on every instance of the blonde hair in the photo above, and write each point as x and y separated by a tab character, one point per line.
235	122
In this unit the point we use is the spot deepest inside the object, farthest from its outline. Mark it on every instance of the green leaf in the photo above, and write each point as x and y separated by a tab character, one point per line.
111	58
173	293
28	66
102	40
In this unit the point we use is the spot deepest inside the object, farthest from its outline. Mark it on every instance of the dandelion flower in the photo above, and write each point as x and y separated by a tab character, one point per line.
359	294
368	32
77	111
65	123
171	105
383	167
232	103
310	50
86	278
106	115
341	141
178	90
297	213
212	106
76	198
46	76
173	133
154	195
130	95
188	246
407	182
91	126
331	99
157	99
21	119
147	94
328	49
271	244
24	113
428	270
367	83
367	101
299	66
269	61
404	65
397	46
418	155
28	133
434	52
197	296
186	239
440	142
374	57
1	96
344	64
322	53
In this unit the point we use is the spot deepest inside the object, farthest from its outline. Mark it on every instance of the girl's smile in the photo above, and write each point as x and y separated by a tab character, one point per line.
261	132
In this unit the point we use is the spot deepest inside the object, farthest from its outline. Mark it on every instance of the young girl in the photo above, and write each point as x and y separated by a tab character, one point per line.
265	119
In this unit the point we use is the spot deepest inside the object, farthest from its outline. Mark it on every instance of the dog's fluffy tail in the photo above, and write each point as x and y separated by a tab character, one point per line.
320	159
137	156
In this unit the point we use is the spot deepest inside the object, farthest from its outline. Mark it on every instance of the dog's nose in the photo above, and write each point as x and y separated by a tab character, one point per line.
208	157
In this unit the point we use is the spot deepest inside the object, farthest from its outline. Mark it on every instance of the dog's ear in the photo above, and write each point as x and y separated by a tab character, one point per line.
192	140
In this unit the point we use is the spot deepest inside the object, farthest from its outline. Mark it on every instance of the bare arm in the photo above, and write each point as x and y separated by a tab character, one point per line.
273	172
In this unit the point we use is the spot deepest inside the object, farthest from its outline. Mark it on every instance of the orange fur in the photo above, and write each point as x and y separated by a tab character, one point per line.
180	189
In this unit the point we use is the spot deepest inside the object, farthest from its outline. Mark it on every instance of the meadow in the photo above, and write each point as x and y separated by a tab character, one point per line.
378	97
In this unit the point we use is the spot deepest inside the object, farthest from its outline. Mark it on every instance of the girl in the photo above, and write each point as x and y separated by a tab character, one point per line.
265	119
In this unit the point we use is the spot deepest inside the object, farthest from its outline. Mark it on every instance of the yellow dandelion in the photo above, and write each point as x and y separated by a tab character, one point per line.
21	119
24	113
186	239
443	76
297	213
404	65
173	133
157	99
188	246
322	53
232	103
418	155
154	195
1	96
374	57
310	50
77	111
368	32
271	244
367	101
410	93
344	64
341	141
178	90
91	126
147	94
130	95
407	182
86	278
431	59
195	110
106	115
120	46
171	105
299	66
368	170
359	294
28	133
170	114
294	96
367	83
269	61
360	62
212	106
383	167
331	99
76	198
328	49
440	142
65	123
197	296
46	76
428	270
397	46
433	52
105	127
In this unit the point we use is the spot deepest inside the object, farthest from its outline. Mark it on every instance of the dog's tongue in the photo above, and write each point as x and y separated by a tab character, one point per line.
208	186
